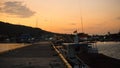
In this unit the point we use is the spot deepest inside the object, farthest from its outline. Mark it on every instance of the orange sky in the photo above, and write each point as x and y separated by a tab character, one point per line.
64	16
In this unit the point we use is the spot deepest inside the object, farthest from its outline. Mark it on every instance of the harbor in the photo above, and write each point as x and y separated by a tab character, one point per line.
60	34
91	60
38	55
50	55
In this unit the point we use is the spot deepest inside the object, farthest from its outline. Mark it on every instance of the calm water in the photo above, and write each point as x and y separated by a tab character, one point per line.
111	49
9	46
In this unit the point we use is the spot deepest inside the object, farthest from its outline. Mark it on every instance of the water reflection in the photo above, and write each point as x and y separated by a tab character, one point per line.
110	49
10	46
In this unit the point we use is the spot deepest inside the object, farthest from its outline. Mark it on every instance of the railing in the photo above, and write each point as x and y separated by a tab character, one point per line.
67	65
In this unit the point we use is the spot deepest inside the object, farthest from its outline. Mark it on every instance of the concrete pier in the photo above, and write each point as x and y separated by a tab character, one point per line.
38	55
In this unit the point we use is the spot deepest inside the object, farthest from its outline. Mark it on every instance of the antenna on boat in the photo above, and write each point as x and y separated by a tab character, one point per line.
76	37
81	19
82	24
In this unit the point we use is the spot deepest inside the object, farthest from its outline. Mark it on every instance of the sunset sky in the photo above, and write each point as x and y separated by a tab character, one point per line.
64	16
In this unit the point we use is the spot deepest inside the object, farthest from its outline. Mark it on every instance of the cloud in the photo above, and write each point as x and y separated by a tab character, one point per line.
72	23
16	8
69	29
118	18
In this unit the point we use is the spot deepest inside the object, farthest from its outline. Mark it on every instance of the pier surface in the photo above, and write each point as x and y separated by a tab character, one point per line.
38	55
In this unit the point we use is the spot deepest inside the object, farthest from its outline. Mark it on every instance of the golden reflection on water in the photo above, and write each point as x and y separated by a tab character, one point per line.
10	46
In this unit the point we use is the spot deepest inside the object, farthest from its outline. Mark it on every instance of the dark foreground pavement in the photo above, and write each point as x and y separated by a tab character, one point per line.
39	55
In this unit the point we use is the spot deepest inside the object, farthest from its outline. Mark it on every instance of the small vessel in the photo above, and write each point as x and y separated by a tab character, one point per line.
71	51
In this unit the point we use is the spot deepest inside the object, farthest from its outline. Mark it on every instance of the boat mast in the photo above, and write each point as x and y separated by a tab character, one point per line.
82	24
81	18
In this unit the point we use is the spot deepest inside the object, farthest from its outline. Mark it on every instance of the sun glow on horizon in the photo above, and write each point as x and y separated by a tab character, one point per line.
64	16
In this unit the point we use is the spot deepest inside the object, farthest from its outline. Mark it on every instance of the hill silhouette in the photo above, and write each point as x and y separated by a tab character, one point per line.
14	32
8	30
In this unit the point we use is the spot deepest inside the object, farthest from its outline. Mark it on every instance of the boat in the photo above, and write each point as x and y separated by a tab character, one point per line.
70	51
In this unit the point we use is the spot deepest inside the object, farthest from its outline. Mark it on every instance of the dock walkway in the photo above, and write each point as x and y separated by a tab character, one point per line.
38	55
